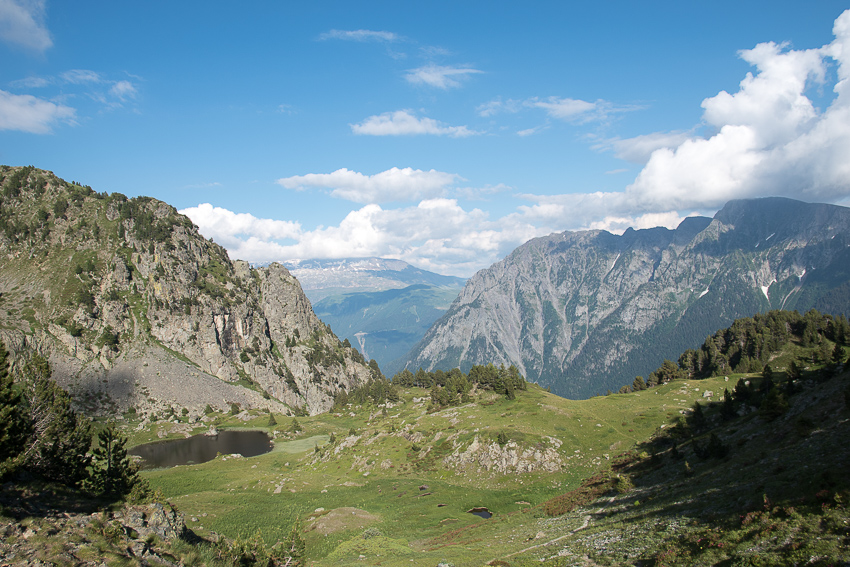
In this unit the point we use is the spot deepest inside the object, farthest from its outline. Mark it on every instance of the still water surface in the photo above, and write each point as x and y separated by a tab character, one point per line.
201	448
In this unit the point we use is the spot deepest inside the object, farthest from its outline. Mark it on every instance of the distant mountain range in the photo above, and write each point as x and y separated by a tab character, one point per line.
586	311
382	306
321	278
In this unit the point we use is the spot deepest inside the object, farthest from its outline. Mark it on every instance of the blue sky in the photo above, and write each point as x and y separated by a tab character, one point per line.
442	133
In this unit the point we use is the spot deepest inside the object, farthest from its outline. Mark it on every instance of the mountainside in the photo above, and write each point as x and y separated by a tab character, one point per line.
323	277
383	307
586	311
134	308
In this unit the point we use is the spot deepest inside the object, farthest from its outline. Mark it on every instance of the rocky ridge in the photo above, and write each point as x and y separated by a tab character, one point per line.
133	307
585	311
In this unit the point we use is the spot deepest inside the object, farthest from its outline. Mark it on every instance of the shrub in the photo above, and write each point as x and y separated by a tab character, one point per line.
622	483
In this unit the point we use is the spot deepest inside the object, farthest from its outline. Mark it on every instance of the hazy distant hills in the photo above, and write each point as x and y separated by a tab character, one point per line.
321	278
383	307
586	311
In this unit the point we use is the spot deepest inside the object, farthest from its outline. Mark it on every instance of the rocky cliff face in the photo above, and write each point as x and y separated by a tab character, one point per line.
586	311
134	308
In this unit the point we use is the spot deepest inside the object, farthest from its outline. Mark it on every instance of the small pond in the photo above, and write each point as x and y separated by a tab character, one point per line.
201	448
481	513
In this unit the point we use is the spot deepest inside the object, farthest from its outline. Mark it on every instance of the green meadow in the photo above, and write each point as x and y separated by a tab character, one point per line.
386	490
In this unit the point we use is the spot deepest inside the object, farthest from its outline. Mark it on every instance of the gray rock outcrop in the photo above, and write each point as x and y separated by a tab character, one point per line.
133	307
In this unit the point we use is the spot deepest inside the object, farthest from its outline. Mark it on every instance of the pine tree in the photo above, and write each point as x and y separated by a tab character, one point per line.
59	438
291	550
13	426
767	378
113	474
638	384
697	418
837	354
727	410
742	392
773	405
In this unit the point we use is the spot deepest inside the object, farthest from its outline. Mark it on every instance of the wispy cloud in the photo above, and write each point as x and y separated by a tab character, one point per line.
581	111
22	24
112	93
31	83
394	184
498	106
361	36
559	108
26	113
532	131
80	77
405	123
639	149
440	76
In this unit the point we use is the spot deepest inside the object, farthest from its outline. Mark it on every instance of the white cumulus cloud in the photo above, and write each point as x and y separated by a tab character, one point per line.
436	234
22	23
395	184
770	138
405	123
229	228
27	113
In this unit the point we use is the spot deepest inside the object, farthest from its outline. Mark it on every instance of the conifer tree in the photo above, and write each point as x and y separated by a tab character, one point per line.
291	550
13	426
837	354
767	378
742	392
773	405
727	410
697	418
59	438
113	474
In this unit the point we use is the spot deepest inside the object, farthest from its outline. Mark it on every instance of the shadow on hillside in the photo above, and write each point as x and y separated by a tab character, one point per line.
38	499
797	460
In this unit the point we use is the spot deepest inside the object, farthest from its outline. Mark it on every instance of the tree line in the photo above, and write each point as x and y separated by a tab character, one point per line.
447	388
747	345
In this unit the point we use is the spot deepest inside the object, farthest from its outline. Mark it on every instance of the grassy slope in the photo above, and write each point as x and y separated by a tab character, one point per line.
241	495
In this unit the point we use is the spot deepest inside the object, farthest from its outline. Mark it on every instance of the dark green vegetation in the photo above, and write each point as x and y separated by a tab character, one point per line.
752	343
43	437
584	312
385	324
